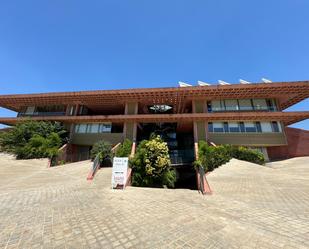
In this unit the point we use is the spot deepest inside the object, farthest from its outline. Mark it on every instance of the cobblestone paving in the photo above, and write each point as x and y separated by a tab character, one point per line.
251	207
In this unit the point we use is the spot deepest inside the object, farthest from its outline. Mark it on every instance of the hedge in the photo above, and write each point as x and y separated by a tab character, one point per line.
211	157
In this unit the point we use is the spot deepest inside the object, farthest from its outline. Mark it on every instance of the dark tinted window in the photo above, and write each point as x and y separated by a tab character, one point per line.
210	127
258	127
242	126
275	126
226	127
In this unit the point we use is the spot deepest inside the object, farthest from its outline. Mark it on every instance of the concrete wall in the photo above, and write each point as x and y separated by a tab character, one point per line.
248	139
298	145
91	138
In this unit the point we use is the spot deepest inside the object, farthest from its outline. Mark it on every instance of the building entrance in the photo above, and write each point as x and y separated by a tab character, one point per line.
179	139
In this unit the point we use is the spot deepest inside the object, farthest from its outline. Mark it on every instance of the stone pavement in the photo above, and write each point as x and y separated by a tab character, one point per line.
251	207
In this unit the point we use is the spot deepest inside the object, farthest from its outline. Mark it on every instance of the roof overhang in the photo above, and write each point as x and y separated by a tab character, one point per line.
288	93
286	117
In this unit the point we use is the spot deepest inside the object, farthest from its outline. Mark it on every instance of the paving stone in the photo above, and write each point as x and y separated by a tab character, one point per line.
251	207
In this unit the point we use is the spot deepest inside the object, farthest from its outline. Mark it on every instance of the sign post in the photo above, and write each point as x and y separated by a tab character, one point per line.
119	172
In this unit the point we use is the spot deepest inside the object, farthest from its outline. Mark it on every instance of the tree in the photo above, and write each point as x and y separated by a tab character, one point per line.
124	149
32	139
151	164
103	150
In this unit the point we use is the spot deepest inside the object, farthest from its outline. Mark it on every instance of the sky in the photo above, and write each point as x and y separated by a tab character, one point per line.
56	45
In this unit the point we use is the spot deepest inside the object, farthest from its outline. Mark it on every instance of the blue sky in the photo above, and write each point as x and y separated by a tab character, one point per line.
58	45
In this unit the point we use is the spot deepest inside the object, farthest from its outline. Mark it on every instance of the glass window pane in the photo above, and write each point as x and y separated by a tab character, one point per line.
275	126
216	105
245	104
250	127
94	128
30	110
82	128
218	127
258	127
210	127
242	126
105	128
231	104
259	104
234	127
226	127
266	127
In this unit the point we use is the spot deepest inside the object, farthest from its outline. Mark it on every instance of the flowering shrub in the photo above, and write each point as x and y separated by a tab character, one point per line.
151	164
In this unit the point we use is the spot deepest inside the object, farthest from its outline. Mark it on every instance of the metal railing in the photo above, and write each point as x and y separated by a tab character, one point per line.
94	167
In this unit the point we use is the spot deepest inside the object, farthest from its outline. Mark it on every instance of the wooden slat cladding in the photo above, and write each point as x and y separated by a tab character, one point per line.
286	117
288	94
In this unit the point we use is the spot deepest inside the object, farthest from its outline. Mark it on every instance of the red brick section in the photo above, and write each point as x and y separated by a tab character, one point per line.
298	145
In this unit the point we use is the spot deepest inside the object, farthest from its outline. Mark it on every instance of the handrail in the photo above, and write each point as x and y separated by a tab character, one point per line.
94	168
54	160
133	148
211	143
115	148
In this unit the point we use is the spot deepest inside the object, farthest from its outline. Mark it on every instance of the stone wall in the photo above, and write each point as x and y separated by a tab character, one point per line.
298	145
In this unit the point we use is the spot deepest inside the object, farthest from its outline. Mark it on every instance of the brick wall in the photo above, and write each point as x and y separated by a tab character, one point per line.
298	145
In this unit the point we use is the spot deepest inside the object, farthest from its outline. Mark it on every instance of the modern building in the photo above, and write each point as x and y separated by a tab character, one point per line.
241	114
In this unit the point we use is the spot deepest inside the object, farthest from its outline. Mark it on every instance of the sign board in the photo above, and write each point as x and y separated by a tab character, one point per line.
119	172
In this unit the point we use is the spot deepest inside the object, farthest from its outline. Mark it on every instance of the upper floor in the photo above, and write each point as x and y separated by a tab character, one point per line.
232	101
220	105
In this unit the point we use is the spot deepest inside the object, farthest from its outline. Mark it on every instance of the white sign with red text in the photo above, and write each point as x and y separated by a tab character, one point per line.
119	172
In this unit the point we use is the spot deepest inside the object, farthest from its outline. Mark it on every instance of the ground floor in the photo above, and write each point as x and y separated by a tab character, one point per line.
182	137
251	207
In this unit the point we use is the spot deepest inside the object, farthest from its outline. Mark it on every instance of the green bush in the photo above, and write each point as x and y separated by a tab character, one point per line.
211	157
33	139
40	147
124	149
246	154
151	164
102	149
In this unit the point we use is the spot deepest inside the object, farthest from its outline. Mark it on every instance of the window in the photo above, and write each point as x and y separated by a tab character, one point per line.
218	127
266	127
245	104
209	106
93	128
105	128
275	126
250	127
82	128
258	127
259	104
231	104
271	105
242	126
72	109
30	110
226	126
234	127
210	127
217	105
